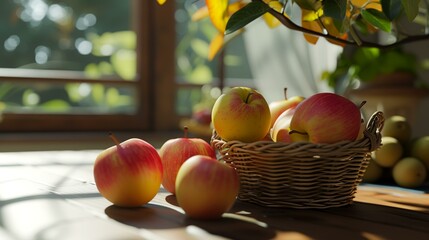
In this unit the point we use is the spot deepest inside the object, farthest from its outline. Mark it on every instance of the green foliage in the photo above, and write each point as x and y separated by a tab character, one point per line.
247	14
376	19
348	18
365	64
336	9
391	8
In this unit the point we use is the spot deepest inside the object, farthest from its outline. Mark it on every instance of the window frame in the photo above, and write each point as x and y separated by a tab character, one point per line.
154	26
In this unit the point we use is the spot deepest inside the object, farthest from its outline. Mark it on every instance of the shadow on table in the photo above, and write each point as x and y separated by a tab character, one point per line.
250	221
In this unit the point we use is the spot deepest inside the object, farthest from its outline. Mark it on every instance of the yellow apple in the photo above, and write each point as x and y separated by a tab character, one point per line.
420	149
241	114
373	172
409	172
281	127
389	153
398	127
278	107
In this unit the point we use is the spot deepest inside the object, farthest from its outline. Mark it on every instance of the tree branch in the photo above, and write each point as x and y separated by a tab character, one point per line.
291	25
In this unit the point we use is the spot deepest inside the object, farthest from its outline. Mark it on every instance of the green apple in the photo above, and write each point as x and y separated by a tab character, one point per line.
420	149
409	172
373	172
398	127
241	114
389	153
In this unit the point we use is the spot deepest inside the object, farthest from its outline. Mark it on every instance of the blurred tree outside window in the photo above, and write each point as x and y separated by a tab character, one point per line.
72	60
79	37
74	64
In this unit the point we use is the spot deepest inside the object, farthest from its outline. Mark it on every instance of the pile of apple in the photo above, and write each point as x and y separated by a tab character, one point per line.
243	114
130	174
400	159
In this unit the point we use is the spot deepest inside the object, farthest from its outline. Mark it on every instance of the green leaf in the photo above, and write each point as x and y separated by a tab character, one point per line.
391	8
411	8
377	19
335	9
245	15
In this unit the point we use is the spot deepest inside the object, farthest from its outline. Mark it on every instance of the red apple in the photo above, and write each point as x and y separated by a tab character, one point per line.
325	118
241	114
278	107
281	127
203	116
175	152
128	174
206	188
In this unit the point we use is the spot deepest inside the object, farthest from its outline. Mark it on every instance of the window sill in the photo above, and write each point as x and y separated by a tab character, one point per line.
13	142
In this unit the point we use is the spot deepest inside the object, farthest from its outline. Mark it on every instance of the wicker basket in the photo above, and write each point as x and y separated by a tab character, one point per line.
301	175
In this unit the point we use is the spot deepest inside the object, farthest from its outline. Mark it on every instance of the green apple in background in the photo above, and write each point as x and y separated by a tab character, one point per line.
398	127
389	153
373	172
409	172
420	149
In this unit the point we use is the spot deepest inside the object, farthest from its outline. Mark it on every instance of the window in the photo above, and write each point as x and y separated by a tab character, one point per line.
86	65
77	65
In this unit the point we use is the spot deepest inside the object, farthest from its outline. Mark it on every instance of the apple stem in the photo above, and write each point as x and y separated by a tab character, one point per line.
285	92
185	131
361	104
113	137
247	98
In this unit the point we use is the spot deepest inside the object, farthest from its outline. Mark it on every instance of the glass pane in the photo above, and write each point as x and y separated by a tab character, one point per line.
78	35
192	49
67	98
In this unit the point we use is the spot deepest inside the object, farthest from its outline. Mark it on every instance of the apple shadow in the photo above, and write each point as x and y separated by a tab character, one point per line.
156	217
150	216
251	221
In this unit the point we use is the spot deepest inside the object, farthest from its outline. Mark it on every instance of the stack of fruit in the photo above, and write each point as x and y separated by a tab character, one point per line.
244	115
130	174
400	160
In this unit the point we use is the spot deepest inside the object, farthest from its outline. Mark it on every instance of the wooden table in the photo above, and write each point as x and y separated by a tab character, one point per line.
52	195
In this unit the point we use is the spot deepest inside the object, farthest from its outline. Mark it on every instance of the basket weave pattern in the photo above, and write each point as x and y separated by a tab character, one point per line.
301	174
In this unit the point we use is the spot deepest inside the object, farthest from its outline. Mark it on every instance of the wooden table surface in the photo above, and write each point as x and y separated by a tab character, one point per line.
52	195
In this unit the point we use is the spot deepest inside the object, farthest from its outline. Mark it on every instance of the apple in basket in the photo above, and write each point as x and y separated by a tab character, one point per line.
281	127
128	174
278	107
242	114
205	187
175	152
325	118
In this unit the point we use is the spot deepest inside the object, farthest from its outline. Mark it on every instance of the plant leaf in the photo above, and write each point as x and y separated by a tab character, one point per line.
218	13
160	2
312	25
335	9
245	15
411	8
377	19
215	46
391	8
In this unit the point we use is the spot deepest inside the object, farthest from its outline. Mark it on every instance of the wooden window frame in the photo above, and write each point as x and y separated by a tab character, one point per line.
155	83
